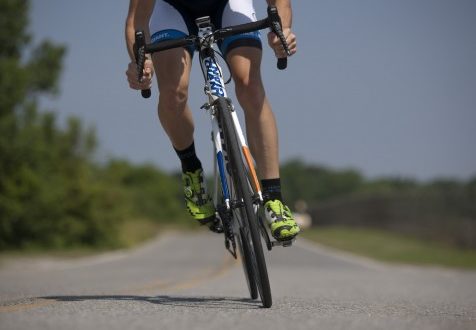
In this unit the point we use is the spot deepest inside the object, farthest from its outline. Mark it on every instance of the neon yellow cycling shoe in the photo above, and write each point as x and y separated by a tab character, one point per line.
198	202
282	224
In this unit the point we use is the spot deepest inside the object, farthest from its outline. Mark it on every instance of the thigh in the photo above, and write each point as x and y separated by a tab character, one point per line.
245	65
172	67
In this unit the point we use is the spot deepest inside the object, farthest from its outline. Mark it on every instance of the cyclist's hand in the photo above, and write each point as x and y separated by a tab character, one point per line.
131	74
276	45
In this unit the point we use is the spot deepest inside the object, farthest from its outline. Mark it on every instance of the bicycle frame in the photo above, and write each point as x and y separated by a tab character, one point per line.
214	89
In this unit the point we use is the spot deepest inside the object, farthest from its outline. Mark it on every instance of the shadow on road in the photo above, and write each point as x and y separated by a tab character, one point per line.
179	301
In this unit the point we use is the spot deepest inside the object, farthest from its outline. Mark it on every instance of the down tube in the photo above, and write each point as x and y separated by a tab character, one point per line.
220	161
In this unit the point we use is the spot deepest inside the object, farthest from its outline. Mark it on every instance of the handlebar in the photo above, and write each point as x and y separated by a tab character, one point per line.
276	27
273	21
139	51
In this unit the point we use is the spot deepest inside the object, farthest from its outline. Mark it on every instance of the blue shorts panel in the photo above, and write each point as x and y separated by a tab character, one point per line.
170	34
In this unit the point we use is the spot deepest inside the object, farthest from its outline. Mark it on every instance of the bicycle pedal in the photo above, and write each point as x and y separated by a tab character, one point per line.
214	225
284	243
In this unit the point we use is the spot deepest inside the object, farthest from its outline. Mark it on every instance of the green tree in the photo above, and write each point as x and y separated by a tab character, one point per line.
19	81
47	195
313	183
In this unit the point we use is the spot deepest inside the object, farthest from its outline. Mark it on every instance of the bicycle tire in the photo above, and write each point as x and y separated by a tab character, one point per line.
244	249
245	252
241	183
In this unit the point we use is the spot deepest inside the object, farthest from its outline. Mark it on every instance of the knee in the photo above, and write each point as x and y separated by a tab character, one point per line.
173	98
249	91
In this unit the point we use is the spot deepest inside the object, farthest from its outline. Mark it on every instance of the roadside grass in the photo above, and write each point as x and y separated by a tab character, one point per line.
138	231
391	247
134	232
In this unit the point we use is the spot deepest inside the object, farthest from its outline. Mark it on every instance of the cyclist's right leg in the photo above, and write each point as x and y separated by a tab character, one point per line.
172	68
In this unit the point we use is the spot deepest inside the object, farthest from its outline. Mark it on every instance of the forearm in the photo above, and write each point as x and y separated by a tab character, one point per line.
130	32
284	10
137	19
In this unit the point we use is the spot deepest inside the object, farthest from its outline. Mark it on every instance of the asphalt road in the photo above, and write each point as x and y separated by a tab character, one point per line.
186	281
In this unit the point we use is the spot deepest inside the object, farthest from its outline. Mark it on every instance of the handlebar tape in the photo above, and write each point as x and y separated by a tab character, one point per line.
139	52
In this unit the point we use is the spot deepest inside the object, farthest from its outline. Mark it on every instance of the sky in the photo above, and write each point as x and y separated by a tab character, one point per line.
386	87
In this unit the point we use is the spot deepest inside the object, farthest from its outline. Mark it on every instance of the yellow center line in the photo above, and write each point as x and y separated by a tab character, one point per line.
37	302
207	275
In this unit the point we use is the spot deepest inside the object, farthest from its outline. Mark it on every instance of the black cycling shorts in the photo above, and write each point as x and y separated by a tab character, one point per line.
174	19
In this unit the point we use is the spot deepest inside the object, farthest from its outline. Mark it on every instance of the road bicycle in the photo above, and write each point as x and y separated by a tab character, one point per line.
237	194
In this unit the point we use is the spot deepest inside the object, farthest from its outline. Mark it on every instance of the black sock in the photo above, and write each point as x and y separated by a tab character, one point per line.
189	159
271	189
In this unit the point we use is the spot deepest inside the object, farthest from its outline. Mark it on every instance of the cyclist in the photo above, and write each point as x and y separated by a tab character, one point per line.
170	19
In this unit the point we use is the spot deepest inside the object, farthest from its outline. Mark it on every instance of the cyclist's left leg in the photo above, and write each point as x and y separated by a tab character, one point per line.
262	136
259	119
243	53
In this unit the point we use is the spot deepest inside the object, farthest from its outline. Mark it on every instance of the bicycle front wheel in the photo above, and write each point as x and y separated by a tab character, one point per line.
246	259
249	223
